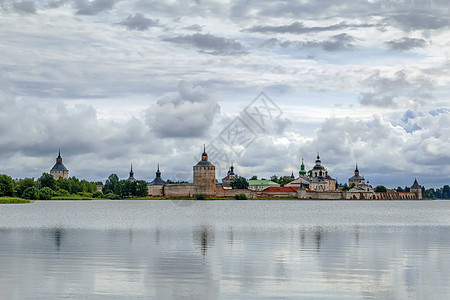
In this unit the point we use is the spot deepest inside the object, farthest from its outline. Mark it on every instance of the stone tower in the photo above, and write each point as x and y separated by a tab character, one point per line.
205	177
415	188
59	170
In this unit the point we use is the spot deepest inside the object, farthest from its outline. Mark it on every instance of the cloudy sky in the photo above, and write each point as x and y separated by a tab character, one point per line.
145	82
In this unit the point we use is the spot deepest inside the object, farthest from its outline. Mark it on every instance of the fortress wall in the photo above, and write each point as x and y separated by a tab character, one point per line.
155	190
321	195
231	193
277	194
358	195
179	190
392	195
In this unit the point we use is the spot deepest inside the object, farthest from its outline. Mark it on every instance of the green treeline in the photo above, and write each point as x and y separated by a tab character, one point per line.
46	187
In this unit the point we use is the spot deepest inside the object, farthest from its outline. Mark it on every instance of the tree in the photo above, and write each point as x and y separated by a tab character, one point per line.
126	189
45	193
141	188
31	193
254	177
111	183
47	180
345	187
63	184
239	182
97	194
446	192
6	186
284	180
75	186
274	178
23	185
380	189
240	196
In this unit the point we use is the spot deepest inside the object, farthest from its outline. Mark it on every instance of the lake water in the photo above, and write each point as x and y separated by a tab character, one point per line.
225	250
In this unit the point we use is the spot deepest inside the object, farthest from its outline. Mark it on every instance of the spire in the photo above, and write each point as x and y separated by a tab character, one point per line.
131	171
292	175
59	158
232	169
415	184
302	169
204	155
318	159
158	172
356	170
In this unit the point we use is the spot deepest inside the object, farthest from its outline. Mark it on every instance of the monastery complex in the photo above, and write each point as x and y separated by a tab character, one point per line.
314	184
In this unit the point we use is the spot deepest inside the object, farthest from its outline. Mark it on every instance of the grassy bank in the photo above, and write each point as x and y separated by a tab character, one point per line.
12	200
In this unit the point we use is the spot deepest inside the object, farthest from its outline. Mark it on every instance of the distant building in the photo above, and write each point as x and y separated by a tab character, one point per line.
359	183
156	187
131	178
59	170
416	189
318	179
204	173
226	181
158	180
261	184
356	179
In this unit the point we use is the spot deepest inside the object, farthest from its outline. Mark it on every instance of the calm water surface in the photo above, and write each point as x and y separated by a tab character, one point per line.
225	250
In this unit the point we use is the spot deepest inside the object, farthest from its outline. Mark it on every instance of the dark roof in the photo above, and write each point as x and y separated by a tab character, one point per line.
204	163
415	184
318	167
59	167
356	177
157	181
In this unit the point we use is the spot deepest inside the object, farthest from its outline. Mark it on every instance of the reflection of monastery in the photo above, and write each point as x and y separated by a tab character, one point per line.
314	184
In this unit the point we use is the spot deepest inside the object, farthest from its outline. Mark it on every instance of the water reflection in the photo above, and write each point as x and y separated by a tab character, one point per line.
214	258
58	236
204	238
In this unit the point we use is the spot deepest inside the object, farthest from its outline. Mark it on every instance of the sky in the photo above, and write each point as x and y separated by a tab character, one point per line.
263	84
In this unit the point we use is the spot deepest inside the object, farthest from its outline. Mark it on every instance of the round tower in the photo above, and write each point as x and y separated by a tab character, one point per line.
59	170
415	188
204	176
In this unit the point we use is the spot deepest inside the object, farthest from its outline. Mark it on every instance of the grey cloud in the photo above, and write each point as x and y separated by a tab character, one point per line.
194	27
387	92
387	149
340	42
25	7
94	7
188	113
209	44
138	22
420	20
406	43
300	28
